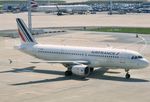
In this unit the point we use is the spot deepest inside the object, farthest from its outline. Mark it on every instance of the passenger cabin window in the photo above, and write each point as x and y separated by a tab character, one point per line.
136	57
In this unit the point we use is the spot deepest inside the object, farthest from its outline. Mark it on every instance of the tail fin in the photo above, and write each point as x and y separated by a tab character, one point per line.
34	4
24	33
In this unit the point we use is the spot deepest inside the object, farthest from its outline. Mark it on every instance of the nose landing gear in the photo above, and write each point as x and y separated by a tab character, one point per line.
127	76
68	72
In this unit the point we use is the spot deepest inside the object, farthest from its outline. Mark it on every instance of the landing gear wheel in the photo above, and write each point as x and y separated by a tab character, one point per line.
68	73
127	76
91	70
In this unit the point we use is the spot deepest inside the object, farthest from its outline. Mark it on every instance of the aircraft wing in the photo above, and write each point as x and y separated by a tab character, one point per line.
62	62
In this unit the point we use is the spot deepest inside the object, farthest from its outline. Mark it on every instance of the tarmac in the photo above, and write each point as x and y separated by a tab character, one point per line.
23	81
8	21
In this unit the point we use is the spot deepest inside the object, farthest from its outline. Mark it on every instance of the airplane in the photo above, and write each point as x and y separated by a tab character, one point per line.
60	9
80	61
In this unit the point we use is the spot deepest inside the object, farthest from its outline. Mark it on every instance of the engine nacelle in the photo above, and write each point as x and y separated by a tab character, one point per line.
81	70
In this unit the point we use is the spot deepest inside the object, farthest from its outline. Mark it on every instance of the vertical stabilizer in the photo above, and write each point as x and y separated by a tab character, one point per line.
24	33
34	4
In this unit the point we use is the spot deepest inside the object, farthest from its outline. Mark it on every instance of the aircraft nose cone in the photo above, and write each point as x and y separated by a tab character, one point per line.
145	63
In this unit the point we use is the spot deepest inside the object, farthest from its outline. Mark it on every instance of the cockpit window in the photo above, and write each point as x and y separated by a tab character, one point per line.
136	57
132	57
140	57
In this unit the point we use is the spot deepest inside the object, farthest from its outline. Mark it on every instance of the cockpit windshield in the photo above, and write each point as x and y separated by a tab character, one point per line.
136	57
140	57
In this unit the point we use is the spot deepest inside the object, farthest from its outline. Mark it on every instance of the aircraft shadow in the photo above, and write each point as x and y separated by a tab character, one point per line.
33	70
97	74
18	70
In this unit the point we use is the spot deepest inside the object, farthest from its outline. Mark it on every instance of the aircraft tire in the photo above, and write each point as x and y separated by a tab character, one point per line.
68	73
127	76
91	70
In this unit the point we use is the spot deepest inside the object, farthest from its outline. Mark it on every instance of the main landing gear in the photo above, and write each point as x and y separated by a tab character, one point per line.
127	76
68	72
91	70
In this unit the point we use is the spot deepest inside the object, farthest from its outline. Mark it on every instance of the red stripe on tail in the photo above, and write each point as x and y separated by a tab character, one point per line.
21	35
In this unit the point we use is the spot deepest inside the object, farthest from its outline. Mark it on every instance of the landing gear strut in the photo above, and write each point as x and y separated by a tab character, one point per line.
68	72
127	76
91	70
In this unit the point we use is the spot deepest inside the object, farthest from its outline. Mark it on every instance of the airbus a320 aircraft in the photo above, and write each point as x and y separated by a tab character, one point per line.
80	60
61	9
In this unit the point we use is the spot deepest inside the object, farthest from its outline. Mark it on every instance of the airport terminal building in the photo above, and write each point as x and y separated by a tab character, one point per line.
41	2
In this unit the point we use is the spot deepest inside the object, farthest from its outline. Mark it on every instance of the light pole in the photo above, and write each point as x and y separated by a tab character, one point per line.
29	16
110	9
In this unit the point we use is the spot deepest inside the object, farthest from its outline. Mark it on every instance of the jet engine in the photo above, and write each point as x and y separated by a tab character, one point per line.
81	70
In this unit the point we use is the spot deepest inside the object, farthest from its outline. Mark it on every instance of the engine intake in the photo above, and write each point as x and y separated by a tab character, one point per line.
81	70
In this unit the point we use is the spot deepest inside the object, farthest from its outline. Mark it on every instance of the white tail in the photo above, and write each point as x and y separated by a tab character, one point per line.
24	33
34	4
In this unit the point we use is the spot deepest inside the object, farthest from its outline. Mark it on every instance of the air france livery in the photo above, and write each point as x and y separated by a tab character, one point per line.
80	60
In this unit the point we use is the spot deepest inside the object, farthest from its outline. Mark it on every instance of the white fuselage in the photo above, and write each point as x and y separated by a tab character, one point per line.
79	60
97	57
67	8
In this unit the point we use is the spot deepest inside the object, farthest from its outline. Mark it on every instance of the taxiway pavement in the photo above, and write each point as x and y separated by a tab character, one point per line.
22	81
